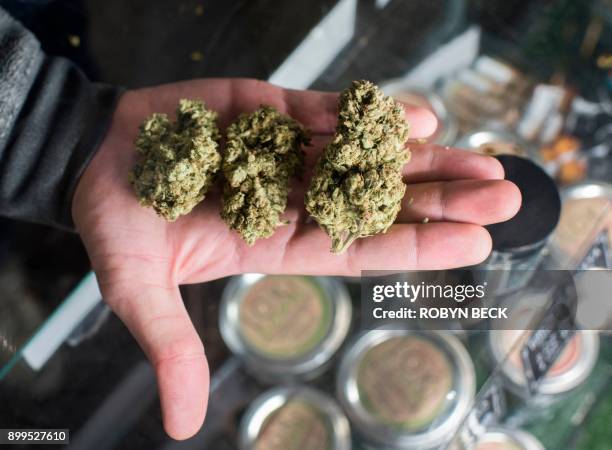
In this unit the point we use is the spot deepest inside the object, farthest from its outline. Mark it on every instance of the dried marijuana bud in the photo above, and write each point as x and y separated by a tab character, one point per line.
263	152
357	186
179	159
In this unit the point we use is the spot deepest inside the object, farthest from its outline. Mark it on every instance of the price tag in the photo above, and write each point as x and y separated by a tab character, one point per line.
489	408
599	253
540	353
552	334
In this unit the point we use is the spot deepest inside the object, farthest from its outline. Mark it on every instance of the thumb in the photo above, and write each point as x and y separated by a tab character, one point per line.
157	318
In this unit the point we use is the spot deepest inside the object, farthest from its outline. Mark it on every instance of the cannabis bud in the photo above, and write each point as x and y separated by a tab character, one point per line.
179	159
263	152
357	186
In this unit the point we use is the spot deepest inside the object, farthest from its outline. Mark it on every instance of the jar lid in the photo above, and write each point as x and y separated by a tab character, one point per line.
421	432
282	413
507	438
284	327
586	212
540	208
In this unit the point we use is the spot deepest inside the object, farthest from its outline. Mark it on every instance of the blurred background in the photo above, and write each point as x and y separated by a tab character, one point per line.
532	79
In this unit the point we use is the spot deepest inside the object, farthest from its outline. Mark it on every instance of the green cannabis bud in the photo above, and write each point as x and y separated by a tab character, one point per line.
179	159
357	186
263	152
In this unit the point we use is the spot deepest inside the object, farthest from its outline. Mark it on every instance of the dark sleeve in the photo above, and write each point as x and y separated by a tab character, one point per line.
52	120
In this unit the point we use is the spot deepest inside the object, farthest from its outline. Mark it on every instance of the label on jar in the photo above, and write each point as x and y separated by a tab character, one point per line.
405	382
285	317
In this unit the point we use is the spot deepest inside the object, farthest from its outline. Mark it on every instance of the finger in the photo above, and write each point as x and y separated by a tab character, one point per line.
316	110
232	96
435	163
404	247
423	122
480	202
157	318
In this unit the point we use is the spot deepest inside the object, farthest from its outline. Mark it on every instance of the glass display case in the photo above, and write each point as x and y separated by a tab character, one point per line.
292	366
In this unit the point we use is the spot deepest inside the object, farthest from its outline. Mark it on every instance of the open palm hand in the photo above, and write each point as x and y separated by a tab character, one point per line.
140	259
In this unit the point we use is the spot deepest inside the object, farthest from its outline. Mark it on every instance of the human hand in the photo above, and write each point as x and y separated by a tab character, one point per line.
140	259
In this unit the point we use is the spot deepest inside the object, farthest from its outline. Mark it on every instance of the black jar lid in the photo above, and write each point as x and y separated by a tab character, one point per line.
540	208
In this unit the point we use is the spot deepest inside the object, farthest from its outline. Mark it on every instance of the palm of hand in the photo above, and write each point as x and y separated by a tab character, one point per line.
140	259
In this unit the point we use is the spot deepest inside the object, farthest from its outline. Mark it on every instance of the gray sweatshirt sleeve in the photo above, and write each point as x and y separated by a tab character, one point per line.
52	120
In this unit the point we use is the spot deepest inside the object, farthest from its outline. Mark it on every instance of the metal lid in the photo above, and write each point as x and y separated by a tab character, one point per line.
269	402
458	400
591	189
588	352
300	366
512	437
513	144
567	248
